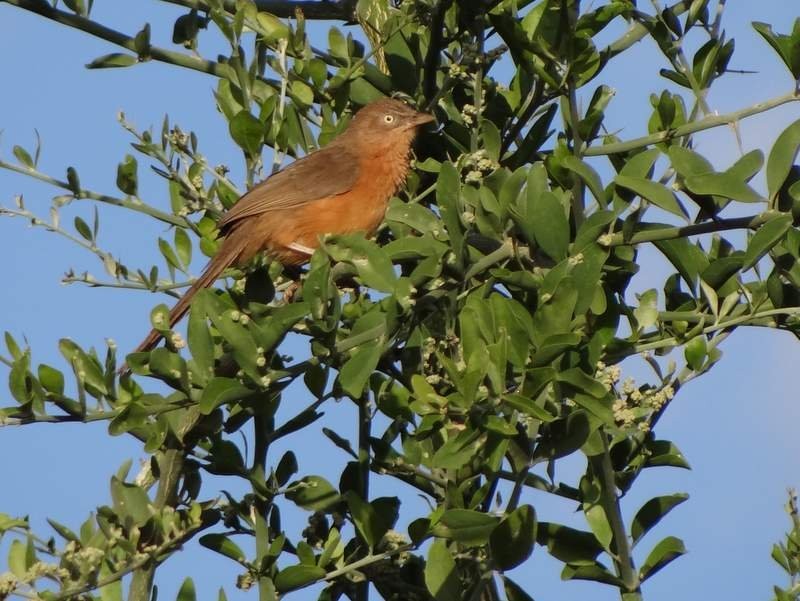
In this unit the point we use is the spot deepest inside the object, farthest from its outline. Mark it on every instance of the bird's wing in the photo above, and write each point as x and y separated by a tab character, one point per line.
327	172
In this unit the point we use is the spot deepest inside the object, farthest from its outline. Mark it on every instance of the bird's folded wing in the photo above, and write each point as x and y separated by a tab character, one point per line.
328	172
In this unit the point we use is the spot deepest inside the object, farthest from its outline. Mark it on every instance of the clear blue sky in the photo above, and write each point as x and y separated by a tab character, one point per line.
737	425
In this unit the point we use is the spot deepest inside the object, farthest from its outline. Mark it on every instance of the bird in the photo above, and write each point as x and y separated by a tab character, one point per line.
341	188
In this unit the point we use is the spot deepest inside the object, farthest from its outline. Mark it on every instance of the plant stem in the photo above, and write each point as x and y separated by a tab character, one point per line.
126	203
76	592
636	33
95	416
286	9
170	464
623	558
120	39
682	231
364	431
263	426
750	318
691	128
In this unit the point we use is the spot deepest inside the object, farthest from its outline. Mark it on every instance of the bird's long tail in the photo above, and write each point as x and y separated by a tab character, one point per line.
225	257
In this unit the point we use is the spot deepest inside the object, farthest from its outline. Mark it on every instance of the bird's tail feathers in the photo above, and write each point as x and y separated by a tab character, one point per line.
216	266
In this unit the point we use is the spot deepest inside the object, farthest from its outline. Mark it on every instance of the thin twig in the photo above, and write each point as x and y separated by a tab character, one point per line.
691	128
120	39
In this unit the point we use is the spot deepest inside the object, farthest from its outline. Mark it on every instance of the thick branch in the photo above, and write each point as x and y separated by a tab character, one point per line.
623	557
170	465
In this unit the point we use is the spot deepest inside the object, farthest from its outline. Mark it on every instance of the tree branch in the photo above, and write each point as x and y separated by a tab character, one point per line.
691	128
126	203
623	557
163	55
683	231
344	10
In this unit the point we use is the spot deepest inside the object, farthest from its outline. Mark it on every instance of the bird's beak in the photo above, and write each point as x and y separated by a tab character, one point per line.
421	119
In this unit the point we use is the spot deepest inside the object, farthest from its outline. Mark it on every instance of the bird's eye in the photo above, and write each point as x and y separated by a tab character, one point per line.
388	119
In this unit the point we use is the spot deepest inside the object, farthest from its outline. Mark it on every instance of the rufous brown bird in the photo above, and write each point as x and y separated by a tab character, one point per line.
340	189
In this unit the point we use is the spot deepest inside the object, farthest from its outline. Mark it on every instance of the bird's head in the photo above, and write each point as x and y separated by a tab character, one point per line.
388	117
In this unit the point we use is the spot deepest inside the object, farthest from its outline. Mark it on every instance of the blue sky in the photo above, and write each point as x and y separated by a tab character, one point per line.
737	425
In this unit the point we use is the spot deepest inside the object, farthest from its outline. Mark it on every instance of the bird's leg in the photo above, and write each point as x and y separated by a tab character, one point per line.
294	273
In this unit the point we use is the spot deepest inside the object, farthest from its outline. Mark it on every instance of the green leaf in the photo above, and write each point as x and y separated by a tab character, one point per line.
720	271
459	449
566	436
598	521
83	229
595	572
224	546
686	256
528	406
112	61
371	262
13	347
654	192
441	576
373	519
220	391
18	380
298	576
767	236
580	380
413	215
270	27
663	553
17	558
187	592
23	156
355	374
646	313
787	46
169	254
183	246
687	162
199	338
247	132
567	544
549	225
589	177
468	527
302	92
448	186
62	530
314	493
130	500
113	590
511	542
696	351
127	180
653	512
782	158
513	591
726	185
664	453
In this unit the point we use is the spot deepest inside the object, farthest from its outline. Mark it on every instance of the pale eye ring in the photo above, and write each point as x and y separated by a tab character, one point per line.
388	119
